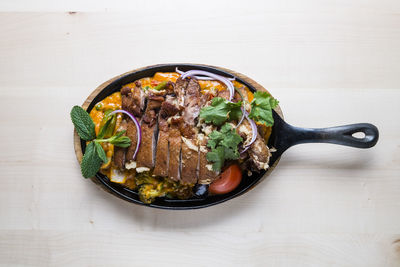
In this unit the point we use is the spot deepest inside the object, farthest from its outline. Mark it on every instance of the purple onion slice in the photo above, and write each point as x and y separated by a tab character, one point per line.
139	130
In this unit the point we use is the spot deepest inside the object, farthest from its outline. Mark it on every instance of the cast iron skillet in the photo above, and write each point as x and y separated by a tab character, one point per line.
283	136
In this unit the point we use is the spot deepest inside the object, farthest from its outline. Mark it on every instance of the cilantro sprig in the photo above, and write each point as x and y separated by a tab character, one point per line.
220	111
261	108
94	154
224	143
224	146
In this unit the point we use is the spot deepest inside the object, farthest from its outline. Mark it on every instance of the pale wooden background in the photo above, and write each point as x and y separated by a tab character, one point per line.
328	62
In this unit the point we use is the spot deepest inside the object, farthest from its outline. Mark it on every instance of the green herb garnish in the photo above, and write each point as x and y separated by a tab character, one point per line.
220	111
94	154
261	108
83	123
224	146
160	86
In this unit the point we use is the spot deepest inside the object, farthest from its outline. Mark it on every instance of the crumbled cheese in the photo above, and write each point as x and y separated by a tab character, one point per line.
190	144
200	137
272	149
209	167
130	165
207	129
142	169
203	149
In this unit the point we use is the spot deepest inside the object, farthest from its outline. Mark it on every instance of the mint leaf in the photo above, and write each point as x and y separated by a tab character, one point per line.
220	111
91	161
100	152
122	141
261	108
84	125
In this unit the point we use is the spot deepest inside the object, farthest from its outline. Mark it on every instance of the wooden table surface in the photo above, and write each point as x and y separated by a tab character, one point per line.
328	62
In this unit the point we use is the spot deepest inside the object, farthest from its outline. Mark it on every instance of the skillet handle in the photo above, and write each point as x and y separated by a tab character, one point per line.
341	135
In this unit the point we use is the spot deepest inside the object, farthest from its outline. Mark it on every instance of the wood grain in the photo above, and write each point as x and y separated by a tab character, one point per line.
328	62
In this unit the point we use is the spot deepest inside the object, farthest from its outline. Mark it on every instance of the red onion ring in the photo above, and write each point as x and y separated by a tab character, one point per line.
203	77
139	130
224	80
253	131
244	112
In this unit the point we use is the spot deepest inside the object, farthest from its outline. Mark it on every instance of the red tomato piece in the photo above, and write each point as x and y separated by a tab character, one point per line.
228	180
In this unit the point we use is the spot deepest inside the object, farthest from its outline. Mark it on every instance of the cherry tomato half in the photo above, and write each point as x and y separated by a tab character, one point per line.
228	180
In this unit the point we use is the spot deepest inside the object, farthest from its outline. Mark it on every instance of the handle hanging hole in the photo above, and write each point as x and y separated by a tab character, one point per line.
358	135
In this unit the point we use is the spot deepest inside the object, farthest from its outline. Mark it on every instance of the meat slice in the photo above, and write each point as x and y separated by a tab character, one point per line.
133	98
179	90
175	142
119	152
206	174
162	151
146	153
192	103
258	151
133	101
131	132
190	146
189	160
169	108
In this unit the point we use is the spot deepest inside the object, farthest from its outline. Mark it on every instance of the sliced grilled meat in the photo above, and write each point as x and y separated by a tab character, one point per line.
131	132
190	147
258	151
133	98
175	142
133	101
179	90
189	160
192	103
147	152
119	152
168	108
162	151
